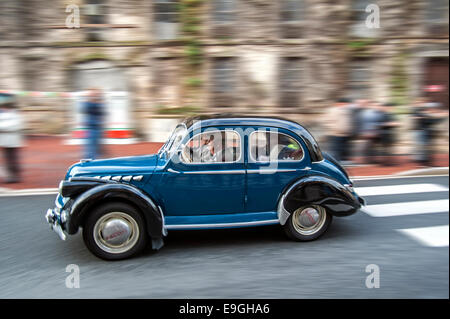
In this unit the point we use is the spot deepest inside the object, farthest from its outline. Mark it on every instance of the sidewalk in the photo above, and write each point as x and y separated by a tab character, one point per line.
45	160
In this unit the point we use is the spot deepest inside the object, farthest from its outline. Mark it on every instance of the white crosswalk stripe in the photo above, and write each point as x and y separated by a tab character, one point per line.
399	189
434	236
408	208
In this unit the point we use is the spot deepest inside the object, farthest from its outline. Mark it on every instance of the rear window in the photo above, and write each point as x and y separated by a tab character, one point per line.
268	146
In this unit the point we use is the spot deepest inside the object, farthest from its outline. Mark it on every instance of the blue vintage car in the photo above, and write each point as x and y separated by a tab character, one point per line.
213	172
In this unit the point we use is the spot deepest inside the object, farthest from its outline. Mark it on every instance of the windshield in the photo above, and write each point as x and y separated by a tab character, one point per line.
175	139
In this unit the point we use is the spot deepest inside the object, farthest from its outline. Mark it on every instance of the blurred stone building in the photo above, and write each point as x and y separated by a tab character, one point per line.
284	57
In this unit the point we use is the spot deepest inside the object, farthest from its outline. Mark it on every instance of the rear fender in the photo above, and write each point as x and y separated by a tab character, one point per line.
317	190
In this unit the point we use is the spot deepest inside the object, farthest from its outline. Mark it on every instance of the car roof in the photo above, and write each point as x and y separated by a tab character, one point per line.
239	119
197	122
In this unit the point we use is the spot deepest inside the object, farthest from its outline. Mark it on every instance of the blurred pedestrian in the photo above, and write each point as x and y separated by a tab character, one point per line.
11	139
426	116
339	125
419	134
370	119
355	114
94	112
386	137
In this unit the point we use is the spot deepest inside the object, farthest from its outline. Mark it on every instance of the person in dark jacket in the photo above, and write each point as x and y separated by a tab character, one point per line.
426	117
94	113
386	138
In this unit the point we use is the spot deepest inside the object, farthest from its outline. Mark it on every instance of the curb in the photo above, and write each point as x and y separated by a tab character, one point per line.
421	172
425	171
7	192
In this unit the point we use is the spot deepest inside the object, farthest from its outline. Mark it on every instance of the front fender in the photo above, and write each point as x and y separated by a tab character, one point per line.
116	191
317	190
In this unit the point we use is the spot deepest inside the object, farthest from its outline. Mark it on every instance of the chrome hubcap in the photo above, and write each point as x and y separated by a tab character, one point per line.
116	232
308	220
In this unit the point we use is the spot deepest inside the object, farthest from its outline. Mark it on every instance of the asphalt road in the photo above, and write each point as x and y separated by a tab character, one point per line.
249	262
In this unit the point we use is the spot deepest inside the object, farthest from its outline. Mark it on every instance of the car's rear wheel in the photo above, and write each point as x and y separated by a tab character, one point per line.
115	231
307	223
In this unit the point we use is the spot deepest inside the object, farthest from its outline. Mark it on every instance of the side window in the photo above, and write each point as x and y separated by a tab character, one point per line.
213	147
166	19
268	146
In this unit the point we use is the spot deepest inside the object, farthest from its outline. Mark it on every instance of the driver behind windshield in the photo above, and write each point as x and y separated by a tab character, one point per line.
205	152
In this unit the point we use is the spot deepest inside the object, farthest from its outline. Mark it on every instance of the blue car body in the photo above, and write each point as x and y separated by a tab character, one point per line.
180	195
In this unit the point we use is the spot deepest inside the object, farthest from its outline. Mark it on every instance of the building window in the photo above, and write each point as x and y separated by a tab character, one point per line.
223	81
223	11
223	14
290	82
436	16
291	15
166	84
291	10
359	16
94	12
166	19
31	70
359	80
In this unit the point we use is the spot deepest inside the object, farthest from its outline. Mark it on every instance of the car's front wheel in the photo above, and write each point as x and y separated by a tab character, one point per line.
115	231
307	223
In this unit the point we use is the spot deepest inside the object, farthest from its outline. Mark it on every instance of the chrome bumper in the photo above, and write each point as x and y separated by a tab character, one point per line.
53	217
362	201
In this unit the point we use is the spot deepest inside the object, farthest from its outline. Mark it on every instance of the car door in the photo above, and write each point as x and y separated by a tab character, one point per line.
207	176
276	158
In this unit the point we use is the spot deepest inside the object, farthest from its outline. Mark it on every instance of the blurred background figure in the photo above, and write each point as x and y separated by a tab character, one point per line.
94	116
355	108
370	120
339	123
426	117
386	133
11	139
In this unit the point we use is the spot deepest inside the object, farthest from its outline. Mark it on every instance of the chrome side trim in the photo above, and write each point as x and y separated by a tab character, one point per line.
192	226
173	171
273	170
238	171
